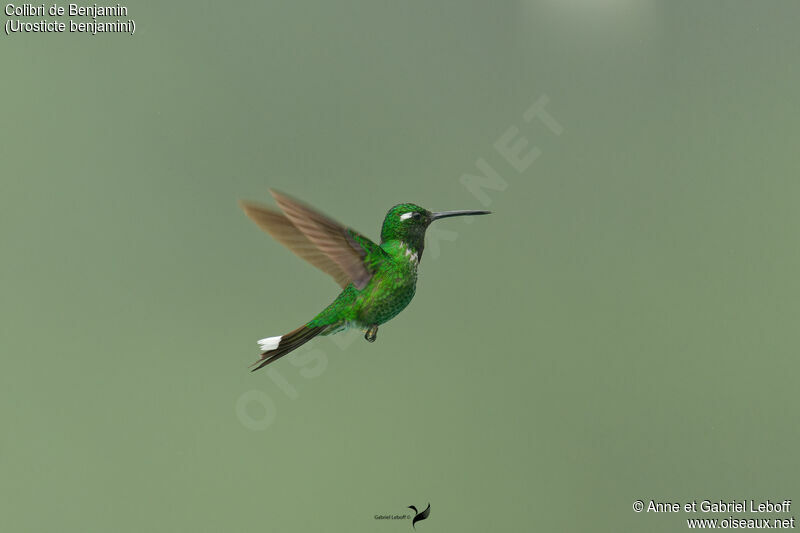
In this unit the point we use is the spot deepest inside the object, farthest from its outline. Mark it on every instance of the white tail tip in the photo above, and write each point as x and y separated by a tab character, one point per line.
270	343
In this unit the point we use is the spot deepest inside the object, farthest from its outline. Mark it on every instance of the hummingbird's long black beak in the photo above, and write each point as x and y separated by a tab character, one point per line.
445	214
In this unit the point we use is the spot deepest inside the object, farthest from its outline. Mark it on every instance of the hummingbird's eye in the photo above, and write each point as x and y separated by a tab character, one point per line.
416	215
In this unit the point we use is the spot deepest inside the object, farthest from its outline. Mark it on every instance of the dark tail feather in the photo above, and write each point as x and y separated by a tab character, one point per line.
287	343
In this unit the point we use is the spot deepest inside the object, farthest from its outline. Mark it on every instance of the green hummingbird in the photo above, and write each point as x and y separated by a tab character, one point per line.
378	281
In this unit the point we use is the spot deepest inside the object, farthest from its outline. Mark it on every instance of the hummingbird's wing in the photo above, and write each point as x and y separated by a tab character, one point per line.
340	251
281	228
355	254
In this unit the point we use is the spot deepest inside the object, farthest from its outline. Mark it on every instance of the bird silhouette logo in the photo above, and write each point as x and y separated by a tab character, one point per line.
420	516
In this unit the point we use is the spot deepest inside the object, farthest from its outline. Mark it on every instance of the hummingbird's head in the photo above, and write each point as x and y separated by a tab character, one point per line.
408	222
405	222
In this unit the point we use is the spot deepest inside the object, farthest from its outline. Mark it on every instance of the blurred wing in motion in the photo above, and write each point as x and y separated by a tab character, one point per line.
281	228
335	249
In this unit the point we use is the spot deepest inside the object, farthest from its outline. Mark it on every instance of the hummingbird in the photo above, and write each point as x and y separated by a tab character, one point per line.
377	280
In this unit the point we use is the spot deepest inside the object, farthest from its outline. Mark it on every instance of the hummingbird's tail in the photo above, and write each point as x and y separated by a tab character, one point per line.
273	348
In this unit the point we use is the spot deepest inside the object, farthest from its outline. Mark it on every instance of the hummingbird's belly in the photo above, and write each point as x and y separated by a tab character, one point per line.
386	299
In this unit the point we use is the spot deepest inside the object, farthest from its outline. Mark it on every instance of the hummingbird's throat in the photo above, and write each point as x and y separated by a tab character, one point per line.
411	253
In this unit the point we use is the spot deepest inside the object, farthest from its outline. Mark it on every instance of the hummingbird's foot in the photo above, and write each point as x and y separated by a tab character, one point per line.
372	333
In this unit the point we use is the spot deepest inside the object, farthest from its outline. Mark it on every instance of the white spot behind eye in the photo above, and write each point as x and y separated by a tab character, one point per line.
406	215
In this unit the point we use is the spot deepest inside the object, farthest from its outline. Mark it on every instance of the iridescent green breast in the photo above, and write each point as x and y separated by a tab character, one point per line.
391	288
388	292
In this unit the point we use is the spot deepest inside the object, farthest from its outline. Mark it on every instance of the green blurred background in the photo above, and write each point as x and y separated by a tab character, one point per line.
623	327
